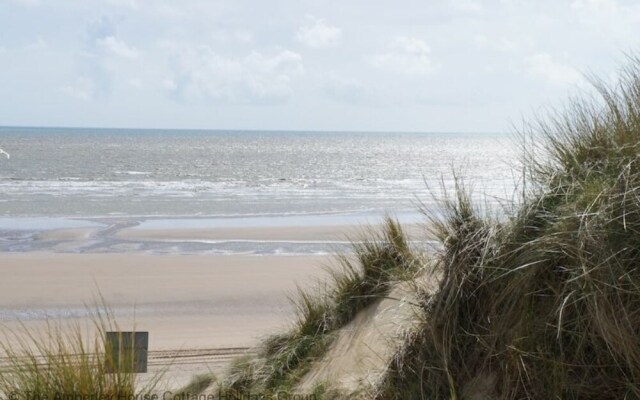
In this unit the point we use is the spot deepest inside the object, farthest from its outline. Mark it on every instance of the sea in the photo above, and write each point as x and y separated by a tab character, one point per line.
111	179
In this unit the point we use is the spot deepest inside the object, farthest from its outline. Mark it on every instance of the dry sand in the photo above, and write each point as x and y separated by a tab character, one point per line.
205	308
363	349
184	300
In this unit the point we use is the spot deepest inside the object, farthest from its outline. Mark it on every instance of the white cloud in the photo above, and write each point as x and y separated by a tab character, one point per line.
544	66
222	37
596	7
27	2
124	3
82	88
608	14
38	45
243	36
319	34
117	47
467	5
169	84
135	82
346	90
501	44
407	55
204	75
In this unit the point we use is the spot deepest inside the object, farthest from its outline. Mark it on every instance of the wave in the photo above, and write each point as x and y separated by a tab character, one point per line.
132	173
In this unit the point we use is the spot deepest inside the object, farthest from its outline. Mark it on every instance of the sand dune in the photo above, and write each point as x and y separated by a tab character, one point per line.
363	348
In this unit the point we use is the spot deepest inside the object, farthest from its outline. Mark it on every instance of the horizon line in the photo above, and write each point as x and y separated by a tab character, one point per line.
246	130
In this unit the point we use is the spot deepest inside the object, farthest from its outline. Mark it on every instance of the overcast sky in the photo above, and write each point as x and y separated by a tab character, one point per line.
402	65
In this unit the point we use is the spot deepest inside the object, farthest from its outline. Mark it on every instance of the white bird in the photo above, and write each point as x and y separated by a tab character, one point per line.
5	153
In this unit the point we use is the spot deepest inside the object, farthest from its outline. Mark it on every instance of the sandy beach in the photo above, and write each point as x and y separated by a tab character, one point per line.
197	305
200	307
194	300
318	233
329	233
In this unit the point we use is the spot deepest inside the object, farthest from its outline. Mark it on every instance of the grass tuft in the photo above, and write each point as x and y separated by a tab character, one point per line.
64	360
378	261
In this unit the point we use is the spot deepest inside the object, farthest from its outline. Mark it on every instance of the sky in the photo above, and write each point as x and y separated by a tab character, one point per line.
349	65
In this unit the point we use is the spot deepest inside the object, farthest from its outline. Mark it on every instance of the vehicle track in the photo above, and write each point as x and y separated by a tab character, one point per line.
166	358
210	356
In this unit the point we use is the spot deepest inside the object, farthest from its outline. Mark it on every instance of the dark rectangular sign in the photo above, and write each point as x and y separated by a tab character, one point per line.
126	352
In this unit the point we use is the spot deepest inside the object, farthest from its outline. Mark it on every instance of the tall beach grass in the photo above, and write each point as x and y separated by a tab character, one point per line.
545	303
66	360
379	261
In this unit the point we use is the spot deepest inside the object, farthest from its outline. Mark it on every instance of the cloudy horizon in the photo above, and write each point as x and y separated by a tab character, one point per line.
463	65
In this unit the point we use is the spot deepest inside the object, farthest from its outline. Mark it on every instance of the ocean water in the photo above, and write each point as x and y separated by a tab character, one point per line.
102	172
61	174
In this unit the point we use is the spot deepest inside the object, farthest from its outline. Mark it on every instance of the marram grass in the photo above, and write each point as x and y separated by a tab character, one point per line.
66	360
382	259
546	303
